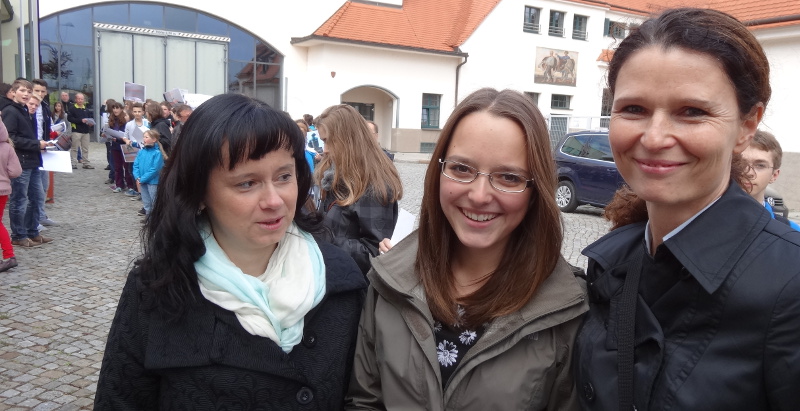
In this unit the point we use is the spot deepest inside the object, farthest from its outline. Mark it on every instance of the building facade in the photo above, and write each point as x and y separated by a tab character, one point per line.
402	63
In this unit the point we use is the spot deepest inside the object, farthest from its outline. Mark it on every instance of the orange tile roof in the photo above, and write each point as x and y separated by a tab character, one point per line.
444	25
755	13
440	25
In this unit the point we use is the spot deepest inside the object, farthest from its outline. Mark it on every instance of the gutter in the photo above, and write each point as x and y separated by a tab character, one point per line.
7	4
771	20
298	40
458	71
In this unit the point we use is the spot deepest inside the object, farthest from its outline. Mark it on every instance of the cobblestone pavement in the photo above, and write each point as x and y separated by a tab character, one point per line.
57	305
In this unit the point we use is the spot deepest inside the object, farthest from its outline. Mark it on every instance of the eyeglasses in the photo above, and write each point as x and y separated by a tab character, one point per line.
500	180
759	167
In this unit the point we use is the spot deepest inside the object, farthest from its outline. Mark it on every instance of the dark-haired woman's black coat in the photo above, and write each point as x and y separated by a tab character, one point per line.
162	125
207	361
717	318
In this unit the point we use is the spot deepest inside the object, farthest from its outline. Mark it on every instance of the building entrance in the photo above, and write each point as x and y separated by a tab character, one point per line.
161	60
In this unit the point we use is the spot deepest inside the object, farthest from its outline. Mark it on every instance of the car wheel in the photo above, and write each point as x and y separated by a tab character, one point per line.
566	199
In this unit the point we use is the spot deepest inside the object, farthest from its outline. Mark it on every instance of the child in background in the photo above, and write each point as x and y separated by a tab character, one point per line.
9	168
147	167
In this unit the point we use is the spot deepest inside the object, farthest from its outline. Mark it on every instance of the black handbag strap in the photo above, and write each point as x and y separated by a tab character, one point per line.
626	332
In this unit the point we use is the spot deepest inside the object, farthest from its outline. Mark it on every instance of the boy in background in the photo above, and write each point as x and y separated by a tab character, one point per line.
764	156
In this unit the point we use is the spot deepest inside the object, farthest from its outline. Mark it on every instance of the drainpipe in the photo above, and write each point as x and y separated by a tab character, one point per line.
10	9
458	71
770	20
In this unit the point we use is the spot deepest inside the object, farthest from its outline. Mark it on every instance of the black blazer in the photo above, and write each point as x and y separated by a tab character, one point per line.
207	361
717	319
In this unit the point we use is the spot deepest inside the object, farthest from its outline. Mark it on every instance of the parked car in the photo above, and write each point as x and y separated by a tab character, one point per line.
776	201
586	170
587	173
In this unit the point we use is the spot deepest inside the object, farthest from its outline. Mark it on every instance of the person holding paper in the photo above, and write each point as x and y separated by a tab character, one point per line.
123	171
360	185
478	309
79	116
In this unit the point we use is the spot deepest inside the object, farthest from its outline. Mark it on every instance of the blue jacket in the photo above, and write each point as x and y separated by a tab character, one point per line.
791	223
148	165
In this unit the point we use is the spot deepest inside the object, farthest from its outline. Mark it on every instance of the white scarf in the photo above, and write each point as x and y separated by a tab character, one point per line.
273	304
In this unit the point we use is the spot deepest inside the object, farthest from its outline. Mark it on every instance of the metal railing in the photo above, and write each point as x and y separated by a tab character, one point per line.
556	31
559	125
579	34
530	27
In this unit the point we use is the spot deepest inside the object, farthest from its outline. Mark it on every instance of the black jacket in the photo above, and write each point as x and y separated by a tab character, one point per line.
207	361
21	132
717	318
44	133
359	227
162	126
75	116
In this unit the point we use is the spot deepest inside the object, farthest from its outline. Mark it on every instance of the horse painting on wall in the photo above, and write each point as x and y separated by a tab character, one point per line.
557	67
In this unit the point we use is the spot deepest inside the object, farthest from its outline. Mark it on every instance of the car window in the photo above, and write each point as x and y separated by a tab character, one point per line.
574	145
599	149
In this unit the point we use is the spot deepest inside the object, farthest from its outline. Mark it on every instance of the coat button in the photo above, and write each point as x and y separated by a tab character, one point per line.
304	396
588	391
684	274
309	340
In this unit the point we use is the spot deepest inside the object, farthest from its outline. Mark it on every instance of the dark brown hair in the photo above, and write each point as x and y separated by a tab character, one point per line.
115	121
717	35
535	245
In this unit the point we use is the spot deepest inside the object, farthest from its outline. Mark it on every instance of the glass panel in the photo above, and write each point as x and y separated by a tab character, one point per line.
180	19
240	77
111	13
147	15
210	68
48	30
210	25
242	45
268	83
148	65
180	74
77	68
115	65
49	67
76	27
599	149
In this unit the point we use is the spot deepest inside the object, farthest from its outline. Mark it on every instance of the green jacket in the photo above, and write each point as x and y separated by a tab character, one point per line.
522	362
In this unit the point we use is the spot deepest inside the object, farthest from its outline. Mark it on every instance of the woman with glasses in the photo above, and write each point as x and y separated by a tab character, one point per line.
360	187
477	310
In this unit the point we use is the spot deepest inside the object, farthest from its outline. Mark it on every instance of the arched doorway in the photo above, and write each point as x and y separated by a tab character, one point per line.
376	104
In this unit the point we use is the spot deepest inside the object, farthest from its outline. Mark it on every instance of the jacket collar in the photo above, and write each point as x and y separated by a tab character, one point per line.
394	273
709	247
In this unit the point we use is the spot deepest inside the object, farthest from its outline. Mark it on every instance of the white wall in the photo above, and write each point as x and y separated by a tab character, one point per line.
502	55
406	74
782	46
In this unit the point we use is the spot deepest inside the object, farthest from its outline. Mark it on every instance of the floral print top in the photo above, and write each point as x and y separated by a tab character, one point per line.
452	344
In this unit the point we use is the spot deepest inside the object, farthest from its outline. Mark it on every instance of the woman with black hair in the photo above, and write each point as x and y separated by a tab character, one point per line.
234	305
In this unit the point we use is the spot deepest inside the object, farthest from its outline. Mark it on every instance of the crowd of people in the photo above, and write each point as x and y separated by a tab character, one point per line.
267	280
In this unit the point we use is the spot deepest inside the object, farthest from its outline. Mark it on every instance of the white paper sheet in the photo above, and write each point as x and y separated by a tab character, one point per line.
404	226
56	161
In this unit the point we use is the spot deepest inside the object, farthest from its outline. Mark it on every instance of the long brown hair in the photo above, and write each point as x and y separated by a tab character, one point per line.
535	245
359	162
716	35
115	121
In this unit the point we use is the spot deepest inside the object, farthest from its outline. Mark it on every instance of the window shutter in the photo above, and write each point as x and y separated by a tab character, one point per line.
606	25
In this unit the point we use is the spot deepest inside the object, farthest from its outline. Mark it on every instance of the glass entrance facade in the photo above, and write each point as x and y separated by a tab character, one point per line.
69	62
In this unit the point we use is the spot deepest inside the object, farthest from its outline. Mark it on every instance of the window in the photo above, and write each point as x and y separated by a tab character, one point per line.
614	29
531	24
560	101
556	23
599	149
430	110
574	145
579	27
533	96
365	109
605	108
